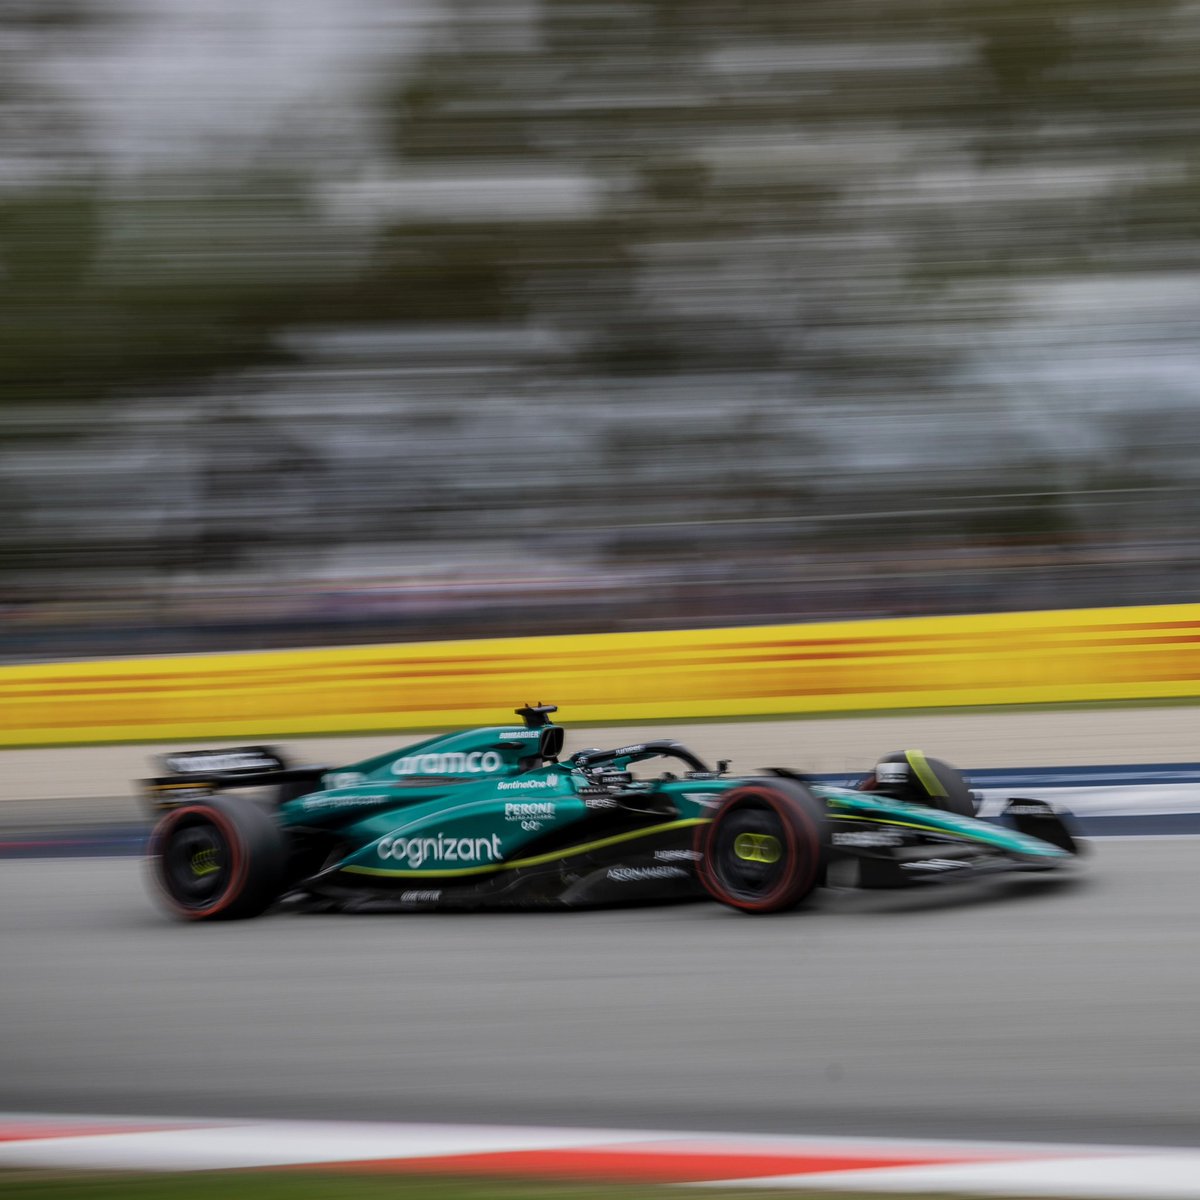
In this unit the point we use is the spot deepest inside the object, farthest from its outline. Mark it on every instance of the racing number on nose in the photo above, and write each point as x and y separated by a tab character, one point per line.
757	847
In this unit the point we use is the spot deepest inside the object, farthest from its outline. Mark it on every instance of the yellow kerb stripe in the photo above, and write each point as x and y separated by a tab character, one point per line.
1056	657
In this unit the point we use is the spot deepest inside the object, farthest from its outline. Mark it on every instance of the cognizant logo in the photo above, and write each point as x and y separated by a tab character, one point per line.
475	763
418	851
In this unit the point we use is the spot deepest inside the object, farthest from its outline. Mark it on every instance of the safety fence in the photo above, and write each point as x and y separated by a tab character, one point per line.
1112	654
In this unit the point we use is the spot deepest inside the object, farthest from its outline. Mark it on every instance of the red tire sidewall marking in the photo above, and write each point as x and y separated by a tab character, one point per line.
787	815
237	874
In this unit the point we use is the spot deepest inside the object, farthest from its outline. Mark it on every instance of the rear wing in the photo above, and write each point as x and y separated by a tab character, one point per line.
193	774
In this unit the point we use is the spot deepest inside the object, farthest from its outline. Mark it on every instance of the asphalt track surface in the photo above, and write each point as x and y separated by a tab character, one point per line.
1019	1008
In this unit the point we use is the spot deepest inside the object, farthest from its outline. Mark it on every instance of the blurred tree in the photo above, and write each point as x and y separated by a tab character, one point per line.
861	192
791	240
99	297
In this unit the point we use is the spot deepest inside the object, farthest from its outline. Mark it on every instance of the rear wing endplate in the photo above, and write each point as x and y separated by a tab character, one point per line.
193	774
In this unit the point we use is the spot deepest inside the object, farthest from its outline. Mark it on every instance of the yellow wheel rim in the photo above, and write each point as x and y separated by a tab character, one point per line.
757	847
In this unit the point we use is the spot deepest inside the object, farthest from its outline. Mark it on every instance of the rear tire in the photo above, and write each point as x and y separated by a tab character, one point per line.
764	850
218	859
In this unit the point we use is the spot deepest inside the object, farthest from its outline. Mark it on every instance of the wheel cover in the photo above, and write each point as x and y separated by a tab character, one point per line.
196	865
748	852
757	847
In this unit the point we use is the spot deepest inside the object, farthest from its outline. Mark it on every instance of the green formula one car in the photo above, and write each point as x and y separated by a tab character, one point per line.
491	818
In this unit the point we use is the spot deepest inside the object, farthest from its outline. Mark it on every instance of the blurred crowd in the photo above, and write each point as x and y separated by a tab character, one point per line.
403	319
196	614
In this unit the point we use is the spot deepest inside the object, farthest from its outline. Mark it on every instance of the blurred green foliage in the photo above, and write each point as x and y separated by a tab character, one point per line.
103	297
103	291
709	262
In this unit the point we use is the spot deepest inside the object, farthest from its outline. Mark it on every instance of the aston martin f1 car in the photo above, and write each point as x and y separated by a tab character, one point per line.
496	818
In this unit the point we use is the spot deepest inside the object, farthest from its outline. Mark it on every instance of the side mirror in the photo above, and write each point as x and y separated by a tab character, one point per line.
723	765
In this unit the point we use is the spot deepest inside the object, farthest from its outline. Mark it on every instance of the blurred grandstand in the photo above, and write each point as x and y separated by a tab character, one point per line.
373	321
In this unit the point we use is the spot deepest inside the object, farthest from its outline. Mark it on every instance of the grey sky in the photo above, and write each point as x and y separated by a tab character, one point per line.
173	82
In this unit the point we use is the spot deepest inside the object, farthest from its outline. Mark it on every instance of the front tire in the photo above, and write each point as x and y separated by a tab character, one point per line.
764	850
218	859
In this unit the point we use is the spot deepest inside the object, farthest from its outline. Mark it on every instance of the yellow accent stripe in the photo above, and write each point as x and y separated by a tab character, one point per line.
537	859
1089	655
924	772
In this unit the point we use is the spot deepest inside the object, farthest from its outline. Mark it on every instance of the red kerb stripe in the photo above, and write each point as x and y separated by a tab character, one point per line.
636	1166
36	1131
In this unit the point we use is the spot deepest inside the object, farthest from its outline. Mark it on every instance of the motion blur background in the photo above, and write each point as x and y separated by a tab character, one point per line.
356	320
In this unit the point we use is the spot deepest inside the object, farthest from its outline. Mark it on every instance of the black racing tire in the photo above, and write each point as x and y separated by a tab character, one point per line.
956	797
218	859
764	850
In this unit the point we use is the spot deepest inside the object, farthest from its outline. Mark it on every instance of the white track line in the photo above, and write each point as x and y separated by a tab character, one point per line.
873	1164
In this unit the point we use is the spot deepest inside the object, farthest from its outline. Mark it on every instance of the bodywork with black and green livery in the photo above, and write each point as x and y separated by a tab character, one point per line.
498	818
